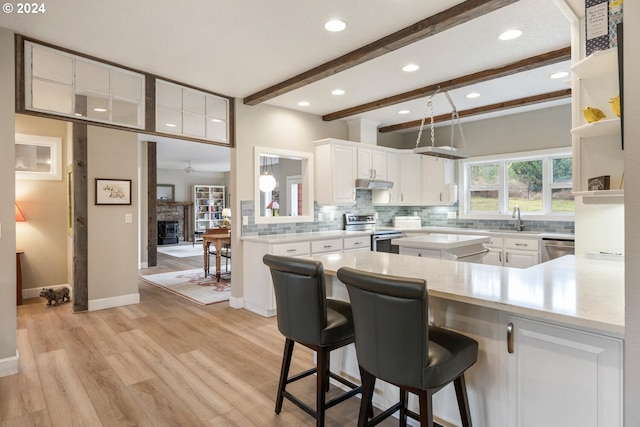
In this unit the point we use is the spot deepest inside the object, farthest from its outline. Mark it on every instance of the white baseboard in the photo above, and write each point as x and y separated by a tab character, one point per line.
9	365
261	311
119	301
235	302
35	292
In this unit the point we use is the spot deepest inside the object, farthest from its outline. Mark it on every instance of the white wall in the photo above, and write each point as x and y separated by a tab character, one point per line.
183	181
44	236
267	126
632	207
8	354
113	244
534	130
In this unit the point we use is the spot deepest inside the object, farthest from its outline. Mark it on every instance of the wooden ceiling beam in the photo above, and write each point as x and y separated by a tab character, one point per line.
435	24
526	64
521	102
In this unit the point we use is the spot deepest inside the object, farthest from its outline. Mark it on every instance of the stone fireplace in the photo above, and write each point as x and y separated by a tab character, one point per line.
179	212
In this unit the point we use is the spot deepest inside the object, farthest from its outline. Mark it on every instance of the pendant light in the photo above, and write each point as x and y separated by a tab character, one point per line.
446	152
266	182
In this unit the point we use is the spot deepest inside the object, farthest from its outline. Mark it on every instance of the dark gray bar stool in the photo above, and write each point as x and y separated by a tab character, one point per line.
306	316
395	343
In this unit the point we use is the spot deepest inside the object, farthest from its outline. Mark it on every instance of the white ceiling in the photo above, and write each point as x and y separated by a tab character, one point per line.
239	47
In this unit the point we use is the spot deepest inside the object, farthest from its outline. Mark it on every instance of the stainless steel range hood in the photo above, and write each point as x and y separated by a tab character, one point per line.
372	184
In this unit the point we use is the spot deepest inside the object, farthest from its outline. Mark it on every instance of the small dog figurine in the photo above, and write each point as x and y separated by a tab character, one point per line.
58	296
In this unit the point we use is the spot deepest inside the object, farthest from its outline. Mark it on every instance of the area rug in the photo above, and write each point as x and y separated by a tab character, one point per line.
192	285
182	251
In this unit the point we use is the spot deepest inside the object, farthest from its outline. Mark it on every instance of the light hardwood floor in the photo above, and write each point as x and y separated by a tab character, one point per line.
163	362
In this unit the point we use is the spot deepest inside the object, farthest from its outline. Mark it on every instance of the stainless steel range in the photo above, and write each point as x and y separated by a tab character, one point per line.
380	239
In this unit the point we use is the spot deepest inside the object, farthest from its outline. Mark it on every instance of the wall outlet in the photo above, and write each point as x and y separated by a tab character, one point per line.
128	218
319	217
245	220
451	215
415	214
332	216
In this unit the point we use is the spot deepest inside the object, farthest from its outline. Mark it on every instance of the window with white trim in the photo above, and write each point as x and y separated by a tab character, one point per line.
539	183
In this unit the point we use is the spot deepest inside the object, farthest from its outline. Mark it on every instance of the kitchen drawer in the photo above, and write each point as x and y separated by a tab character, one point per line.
291	249
419	252
320	246
522	244
362	242
495	242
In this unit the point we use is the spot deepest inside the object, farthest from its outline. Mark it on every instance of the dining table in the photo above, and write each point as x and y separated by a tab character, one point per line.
217	239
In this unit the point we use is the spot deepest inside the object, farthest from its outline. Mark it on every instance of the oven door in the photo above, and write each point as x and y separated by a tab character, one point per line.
382	243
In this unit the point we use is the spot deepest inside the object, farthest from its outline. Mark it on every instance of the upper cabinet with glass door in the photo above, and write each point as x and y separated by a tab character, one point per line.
193	113
70	85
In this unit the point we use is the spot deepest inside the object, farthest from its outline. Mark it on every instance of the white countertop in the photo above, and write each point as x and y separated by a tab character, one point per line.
576	291
300	237
438	241
500	233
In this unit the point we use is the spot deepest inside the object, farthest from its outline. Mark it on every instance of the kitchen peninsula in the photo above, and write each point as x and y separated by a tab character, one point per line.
551	335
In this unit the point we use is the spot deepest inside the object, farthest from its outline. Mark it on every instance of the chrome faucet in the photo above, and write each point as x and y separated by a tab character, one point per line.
516	214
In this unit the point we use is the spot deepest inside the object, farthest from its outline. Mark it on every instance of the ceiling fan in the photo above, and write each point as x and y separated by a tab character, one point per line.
189	169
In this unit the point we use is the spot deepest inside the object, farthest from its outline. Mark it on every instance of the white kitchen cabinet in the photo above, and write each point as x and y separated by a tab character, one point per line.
326	246
335	169
389	196
258	288
436	173
597	147
357	243
372	163
561	376
519	252
258	291
410	179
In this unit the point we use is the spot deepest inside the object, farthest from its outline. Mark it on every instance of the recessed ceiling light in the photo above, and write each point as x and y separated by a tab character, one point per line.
170	125
409	68
100	110
78	115
472	95
337	92
335	25
510	35
303	103
404	112
216	120
559	75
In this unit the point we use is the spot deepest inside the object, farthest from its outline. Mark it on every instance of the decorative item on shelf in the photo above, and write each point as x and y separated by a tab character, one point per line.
446	152
226	214
274	206
615	105
599	183
266	182
593	114
19	216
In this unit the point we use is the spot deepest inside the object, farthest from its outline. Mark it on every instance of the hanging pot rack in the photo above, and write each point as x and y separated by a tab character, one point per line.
444	151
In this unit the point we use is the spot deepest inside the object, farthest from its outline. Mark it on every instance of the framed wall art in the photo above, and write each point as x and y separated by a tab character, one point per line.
113	191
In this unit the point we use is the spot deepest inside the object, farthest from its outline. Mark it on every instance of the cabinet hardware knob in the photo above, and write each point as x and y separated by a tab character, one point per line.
510	338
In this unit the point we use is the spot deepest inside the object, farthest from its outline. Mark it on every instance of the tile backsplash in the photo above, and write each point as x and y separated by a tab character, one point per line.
434	216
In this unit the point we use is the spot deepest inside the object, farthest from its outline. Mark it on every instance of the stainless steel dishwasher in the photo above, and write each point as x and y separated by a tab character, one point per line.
555	248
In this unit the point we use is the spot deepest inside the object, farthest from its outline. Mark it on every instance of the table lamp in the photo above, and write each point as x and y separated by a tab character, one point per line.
226	214
19	216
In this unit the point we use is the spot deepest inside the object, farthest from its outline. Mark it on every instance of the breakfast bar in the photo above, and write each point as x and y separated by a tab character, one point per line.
551	335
